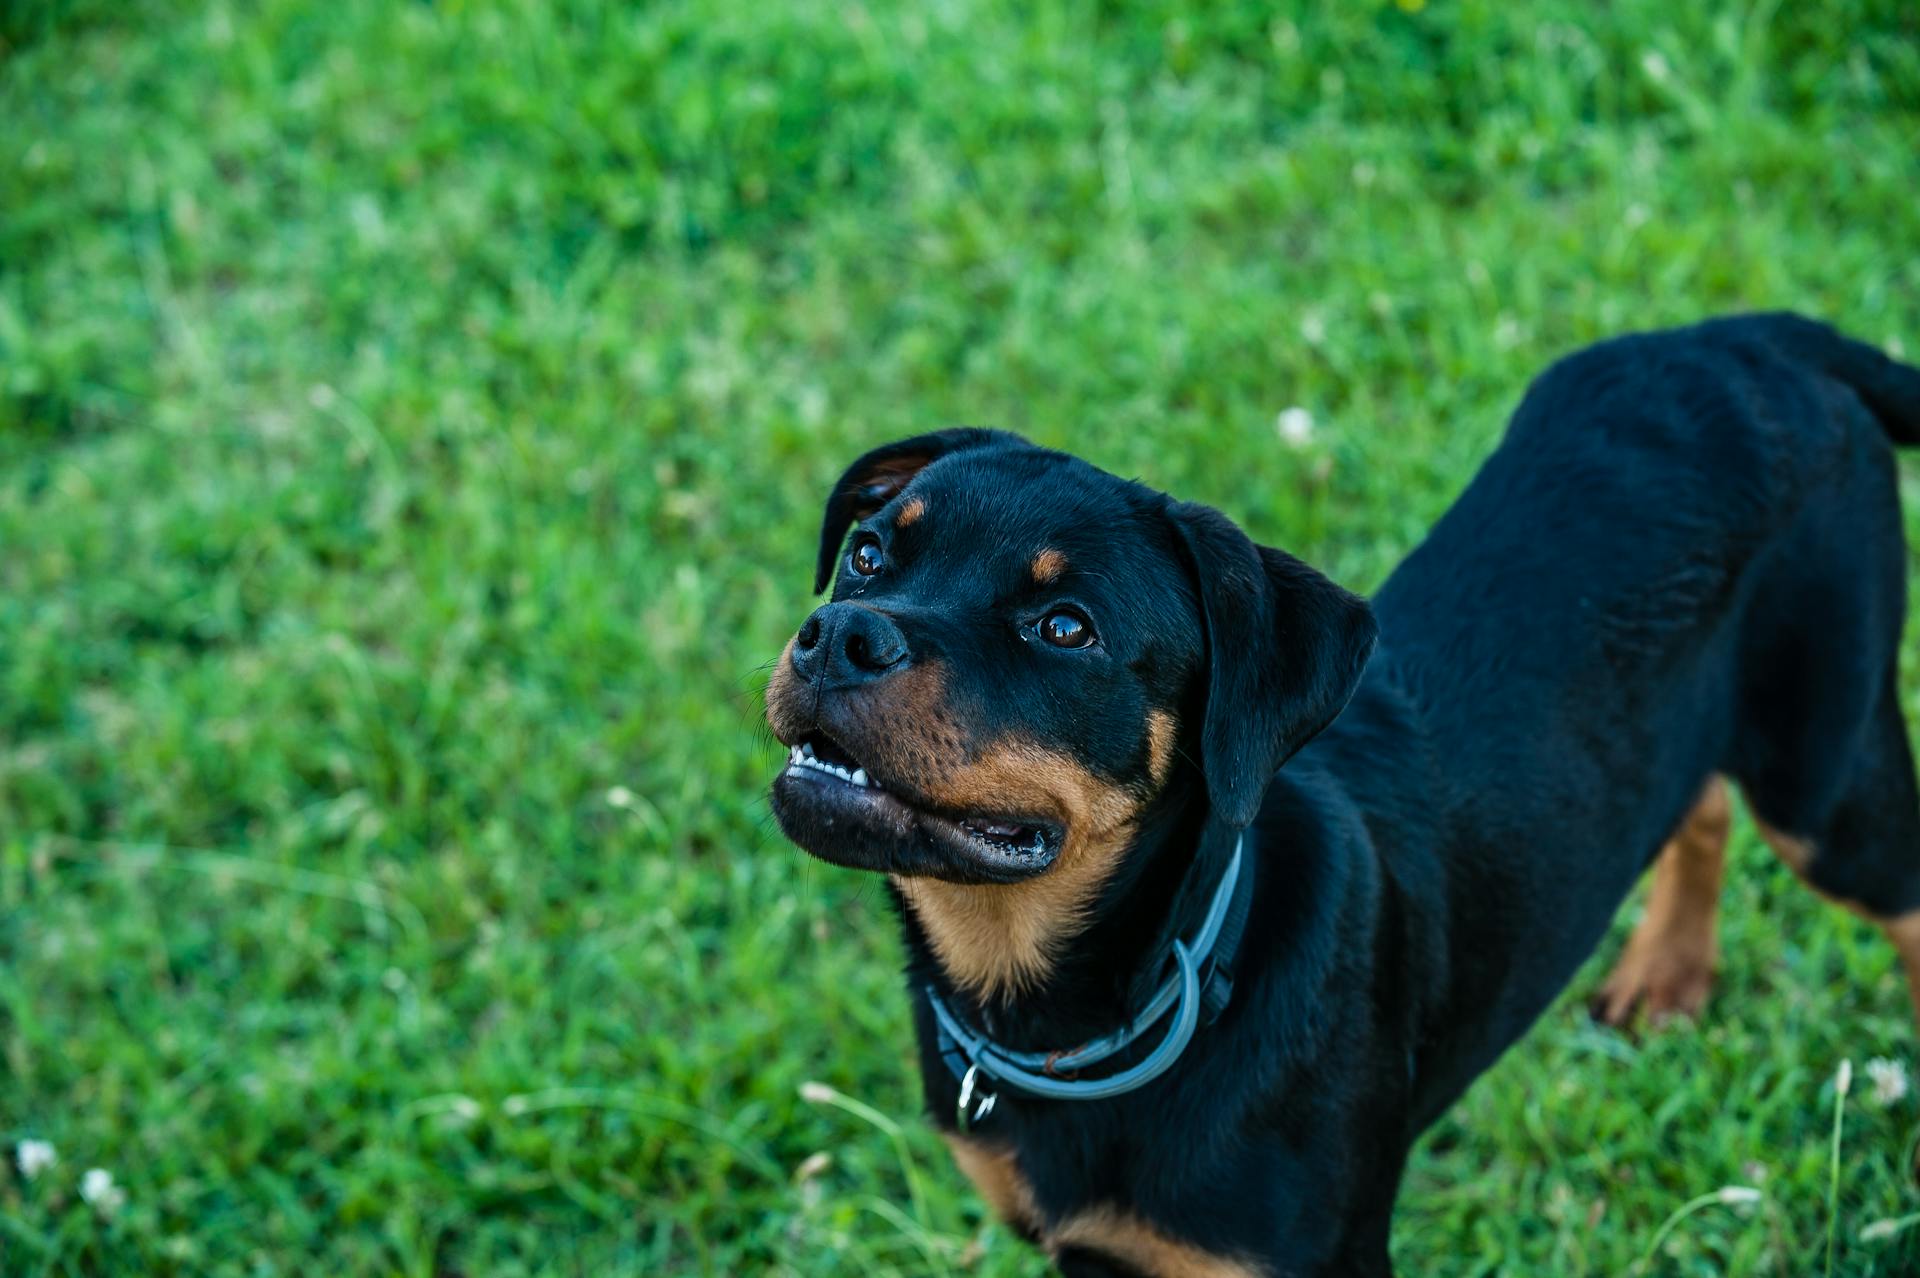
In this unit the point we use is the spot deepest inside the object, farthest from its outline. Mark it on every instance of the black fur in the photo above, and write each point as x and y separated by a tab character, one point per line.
879	477
1685	558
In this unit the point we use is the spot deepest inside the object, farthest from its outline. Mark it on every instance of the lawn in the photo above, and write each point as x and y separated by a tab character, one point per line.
413	419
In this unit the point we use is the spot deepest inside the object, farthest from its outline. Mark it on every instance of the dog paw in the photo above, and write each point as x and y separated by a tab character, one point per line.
1660	983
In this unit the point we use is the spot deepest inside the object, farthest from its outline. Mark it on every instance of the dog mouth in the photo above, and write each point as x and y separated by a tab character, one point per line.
998	846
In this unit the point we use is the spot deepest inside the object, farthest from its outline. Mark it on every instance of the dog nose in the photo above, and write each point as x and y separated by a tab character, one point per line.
844	644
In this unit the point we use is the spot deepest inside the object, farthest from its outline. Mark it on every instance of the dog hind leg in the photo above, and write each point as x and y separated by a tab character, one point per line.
1866	854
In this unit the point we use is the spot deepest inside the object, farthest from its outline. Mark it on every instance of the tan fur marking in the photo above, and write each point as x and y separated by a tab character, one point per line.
1667	967
996	1174
996	939
1904	932
1794	850
910	509
1047	566
783	690
1160	733
1135	1243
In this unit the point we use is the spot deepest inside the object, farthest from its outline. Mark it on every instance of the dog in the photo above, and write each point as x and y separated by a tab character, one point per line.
1182	1010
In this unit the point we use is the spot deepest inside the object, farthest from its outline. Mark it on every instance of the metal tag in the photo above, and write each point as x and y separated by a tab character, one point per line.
966	1112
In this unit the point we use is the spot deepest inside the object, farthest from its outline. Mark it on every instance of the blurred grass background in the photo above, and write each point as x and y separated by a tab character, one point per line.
412	423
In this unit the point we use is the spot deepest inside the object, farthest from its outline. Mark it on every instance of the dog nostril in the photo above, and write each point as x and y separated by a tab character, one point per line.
863	653
809	634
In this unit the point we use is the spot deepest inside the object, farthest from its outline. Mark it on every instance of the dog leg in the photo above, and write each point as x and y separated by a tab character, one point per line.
1903	930
1667	967
1863	850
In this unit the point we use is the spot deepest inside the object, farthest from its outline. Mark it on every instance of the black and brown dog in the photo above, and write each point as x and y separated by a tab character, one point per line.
1053	705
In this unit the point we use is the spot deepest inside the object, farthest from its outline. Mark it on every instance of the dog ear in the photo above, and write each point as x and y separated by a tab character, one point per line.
1285	647
877	479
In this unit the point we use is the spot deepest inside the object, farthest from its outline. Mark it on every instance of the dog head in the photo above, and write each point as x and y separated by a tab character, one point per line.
1022	652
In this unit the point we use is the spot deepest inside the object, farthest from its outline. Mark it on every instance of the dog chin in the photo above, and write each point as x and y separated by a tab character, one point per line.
868	828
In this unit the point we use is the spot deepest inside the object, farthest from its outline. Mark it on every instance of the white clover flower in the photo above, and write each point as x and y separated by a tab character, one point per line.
34	1156
619	797
99	1191
1313	327
1295	426
1889	1079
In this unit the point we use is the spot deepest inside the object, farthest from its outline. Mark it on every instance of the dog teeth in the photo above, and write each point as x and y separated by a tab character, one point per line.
801	758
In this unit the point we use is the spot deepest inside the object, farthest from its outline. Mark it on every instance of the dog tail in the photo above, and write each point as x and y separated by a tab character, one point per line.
1889	389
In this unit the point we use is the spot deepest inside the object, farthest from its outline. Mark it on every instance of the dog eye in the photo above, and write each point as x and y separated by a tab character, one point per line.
866	558
1064	629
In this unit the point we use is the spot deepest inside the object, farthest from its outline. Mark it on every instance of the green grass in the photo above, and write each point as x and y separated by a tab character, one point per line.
412	423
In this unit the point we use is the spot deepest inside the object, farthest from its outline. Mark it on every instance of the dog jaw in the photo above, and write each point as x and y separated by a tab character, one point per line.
993	939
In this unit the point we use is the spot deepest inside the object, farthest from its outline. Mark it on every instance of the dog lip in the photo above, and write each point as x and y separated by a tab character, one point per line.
963	823
974	856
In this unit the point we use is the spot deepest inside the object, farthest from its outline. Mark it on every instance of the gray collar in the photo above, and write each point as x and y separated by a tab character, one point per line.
1196	991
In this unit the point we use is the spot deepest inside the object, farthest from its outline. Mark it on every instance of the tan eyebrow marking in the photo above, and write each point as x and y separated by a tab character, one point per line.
910	510
1160	730
1048	565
